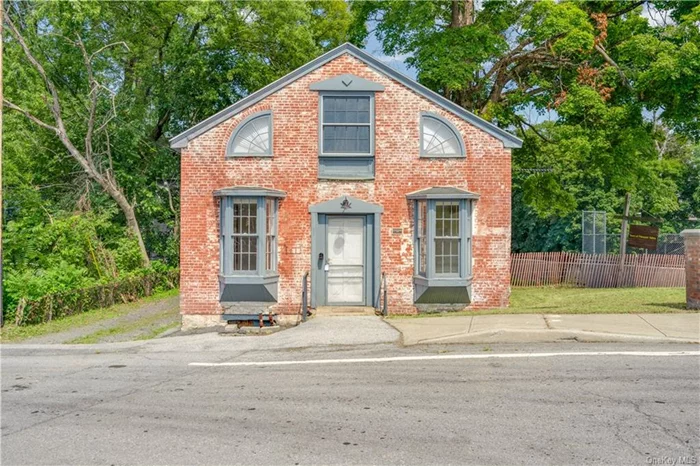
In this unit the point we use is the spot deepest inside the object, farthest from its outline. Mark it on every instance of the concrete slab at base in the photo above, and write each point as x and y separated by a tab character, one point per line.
199	321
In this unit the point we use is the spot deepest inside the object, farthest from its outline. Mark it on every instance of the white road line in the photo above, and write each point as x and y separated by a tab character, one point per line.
446	357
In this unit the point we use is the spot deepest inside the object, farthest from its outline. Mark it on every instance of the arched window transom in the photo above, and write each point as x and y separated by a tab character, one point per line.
253	137
439	138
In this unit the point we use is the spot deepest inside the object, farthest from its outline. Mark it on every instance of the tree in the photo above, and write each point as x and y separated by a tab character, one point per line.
94	123
170	65
493	61
619	78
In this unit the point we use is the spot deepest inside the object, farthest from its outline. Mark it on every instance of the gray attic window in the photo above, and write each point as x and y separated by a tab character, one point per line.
346	125
346	135
439	137
252	137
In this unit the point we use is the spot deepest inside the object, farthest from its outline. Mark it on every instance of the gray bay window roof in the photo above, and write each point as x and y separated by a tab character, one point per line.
249	191
181	140
442	192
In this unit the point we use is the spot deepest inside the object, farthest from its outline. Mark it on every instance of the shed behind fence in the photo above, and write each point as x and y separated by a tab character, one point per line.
597	270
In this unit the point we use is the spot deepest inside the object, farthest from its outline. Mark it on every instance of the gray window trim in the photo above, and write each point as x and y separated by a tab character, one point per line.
321	96
229	145
275	238
345	168
431	278
416	243
226	273
346	82
458	135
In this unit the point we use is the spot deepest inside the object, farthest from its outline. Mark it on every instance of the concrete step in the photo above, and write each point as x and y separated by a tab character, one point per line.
326	311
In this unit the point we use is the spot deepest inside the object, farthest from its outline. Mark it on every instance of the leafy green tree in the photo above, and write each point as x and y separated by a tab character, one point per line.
621	78
126	77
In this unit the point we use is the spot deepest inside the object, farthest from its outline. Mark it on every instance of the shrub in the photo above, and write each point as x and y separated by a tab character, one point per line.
71	302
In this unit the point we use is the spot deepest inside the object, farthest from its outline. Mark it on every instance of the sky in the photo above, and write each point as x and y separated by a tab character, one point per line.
397	62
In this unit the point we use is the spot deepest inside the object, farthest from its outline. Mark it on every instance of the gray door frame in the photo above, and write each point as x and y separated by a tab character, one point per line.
345	205
366	260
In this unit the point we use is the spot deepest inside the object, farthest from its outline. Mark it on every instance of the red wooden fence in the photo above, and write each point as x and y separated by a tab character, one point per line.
596	270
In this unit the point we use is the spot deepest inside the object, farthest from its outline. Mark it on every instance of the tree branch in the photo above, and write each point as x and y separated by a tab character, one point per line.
533	128
24	112
627	9
599	48
55	107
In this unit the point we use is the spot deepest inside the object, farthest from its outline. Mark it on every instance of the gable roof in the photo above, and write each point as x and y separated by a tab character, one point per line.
180	141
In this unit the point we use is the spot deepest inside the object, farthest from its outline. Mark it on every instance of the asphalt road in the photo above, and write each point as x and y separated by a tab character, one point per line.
148	405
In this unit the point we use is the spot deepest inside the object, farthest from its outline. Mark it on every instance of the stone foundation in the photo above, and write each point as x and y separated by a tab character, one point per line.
197	321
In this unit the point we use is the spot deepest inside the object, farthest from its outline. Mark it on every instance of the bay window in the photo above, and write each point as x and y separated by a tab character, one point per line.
248	242
442	240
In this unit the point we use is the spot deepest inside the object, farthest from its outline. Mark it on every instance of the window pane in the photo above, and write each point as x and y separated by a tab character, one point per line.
346	139
346	125
271	225
346	109
447	239
422	233
253	137
447	256
438	138
245	214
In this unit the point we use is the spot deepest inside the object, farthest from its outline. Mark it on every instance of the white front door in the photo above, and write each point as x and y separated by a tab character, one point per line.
345	261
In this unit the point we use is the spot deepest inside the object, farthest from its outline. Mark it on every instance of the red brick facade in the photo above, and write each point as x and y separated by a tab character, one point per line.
486	170
692	268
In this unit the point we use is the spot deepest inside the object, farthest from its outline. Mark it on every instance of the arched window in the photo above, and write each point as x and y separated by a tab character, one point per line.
439	137
252	138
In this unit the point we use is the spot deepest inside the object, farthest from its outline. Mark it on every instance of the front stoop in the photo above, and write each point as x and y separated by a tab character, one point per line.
330	311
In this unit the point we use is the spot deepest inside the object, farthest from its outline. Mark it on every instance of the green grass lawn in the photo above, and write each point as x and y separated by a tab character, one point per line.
564	300
12	333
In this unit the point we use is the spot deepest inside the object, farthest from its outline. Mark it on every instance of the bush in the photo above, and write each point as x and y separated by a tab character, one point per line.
32	285
71	302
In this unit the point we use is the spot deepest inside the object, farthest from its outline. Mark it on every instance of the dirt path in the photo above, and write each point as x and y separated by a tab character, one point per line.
146	321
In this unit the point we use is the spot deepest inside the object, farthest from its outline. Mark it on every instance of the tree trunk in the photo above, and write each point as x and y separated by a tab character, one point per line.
131	221
462	13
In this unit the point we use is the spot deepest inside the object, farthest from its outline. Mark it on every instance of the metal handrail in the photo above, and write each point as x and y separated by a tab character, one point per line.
384	304
304	297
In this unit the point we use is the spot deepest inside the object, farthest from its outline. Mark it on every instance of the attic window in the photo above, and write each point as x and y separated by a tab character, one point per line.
439	138
252	137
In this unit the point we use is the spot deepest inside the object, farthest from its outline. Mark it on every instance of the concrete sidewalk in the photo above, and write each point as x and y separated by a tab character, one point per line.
529	328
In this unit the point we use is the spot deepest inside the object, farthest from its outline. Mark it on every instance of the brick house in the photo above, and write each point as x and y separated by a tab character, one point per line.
347	170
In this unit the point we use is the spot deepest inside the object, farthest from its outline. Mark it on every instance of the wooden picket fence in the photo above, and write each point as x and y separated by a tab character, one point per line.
597	270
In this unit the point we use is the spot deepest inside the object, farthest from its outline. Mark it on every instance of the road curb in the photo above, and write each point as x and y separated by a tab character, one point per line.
543	336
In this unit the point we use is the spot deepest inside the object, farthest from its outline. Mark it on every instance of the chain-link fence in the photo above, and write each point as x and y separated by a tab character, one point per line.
594	232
